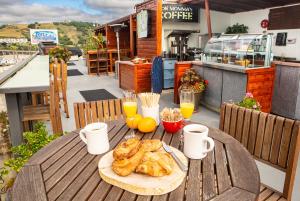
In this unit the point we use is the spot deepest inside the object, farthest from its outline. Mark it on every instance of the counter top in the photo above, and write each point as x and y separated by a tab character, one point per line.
32	77
130	63
290	64
228	67
126	62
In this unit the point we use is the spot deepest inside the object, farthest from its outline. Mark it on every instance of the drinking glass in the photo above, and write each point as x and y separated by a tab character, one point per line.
130	108
130	104
187	104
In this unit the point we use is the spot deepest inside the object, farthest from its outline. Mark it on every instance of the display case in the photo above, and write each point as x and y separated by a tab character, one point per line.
247	50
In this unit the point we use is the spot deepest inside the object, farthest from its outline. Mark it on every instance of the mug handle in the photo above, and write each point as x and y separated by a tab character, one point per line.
211	144
82	136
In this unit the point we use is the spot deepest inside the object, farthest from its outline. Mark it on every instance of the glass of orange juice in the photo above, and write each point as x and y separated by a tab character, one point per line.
130	104
187	104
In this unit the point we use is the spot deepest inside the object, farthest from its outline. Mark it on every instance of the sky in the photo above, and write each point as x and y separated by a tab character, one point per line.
29	11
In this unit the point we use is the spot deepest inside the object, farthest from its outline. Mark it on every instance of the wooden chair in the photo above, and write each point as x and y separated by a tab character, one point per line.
62	79
102	61
271	139
97	111
45	112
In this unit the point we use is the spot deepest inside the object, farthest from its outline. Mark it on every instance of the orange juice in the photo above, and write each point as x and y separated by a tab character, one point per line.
130	108
187	109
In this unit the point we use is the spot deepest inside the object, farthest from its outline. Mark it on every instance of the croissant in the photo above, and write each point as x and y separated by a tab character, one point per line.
151	145
156	164
144	157
126	149
126	166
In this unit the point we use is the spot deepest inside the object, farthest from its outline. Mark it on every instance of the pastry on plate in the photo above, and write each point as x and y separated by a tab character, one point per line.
151	145
126	166
156	164
126	149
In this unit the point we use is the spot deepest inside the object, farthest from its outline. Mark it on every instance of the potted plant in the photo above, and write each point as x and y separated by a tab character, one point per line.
250	102
94	42
193	81
61	54
237	29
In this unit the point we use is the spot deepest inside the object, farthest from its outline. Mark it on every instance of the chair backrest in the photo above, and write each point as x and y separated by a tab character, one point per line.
96	111
54	103
271	139
40	98
61	67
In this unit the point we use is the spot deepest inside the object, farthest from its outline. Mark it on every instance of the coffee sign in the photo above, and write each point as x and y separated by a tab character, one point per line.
180	13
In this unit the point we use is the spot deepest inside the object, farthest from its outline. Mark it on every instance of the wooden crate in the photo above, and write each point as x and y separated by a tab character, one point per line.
135	77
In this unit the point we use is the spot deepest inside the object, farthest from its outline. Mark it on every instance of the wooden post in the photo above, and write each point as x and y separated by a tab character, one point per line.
131	36
159	28
208	20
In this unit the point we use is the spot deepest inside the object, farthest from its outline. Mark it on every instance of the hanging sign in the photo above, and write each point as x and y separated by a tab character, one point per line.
43	35
264	23
180	13
143	24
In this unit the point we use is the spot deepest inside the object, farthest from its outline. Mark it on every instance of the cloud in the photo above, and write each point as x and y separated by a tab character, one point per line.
113	8
111	4
21	12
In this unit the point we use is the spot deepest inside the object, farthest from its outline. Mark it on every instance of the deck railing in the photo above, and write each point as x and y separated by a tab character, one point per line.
7	72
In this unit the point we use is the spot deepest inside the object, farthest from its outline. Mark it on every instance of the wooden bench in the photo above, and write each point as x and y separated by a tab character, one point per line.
96	111
271	139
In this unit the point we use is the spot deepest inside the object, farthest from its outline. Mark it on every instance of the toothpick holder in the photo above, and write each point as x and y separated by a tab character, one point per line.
151	112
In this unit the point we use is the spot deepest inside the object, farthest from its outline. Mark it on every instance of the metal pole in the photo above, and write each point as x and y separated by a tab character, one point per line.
118	47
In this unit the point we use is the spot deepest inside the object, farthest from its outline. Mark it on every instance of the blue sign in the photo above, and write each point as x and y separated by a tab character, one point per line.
42	35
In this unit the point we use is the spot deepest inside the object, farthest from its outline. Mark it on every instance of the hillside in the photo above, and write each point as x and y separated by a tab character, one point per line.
70	33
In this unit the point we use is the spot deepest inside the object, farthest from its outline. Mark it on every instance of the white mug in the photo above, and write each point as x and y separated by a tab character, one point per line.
195	141
96	138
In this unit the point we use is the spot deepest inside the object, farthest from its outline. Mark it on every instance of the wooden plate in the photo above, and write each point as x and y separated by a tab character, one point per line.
142	184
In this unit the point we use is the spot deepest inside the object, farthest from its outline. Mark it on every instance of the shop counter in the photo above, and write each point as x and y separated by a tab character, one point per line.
228	83
136	77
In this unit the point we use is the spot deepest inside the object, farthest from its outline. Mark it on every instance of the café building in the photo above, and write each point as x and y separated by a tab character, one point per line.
191	34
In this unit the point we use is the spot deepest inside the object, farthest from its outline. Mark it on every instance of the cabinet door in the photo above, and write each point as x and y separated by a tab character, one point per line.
213	93
234	86
169	83
286	91
169	64
168	74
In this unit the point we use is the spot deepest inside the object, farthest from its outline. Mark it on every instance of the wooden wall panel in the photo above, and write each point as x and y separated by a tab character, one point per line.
151	46
285	18
180	68
261	85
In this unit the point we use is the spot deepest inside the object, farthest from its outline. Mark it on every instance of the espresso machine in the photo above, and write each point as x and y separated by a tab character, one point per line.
179	44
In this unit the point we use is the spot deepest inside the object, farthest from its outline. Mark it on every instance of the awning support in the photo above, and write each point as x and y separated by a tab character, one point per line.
208	20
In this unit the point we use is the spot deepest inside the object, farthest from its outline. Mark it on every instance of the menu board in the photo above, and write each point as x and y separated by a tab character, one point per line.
43	35
143	24
180	13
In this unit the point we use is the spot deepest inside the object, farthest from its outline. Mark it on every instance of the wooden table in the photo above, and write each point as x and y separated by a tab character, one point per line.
65	171
33	77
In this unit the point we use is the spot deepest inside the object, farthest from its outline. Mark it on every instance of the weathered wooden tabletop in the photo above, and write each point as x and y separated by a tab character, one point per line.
65	171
